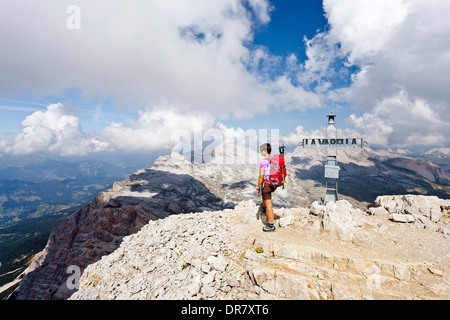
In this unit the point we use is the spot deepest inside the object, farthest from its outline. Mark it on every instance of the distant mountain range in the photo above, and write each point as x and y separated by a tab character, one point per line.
36	185
38	192
439	156
33	186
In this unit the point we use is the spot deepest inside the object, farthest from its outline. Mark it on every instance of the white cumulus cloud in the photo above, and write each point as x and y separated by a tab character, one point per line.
52	131
156	129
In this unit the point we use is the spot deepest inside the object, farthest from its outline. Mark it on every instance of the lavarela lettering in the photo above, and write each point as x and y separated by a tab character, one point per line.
332	143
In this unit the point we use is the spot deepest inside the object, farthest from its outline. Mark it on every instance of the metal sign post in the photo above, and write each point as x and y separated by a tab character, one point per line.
331	165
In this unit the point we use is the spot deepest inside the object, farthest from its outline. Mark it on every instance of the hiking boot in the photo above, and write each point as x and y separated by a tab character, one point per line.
269	227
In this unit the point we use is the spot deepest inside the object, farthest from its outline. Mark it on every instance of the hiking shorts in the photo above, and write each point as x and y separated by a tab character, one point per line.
267	192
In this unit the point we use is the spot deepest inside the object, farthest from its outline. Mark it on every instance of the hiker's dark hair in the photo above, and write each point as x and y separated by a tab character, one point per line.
266	147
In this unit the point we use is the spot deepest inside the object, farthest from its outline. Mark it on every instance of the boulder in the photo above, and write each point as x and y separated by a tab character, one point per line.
336	218
401	217
286	221
415	205
374	211
317	209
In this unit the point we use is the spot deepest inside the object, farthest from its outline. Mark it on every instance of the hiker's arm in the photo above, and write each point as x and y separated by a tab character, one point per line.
261	177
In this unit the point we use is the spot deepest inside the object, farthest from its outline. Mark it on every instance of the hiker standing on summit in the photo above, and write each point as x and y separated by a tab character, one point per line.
267	189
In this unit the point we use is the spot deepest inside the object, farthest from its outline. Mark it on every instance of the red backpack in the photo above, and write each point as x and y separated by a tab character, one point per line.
277	171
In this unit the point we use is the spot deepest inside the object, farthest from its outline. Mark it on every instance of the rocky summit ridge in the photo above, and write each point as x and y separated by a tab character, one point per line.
323	252
193	231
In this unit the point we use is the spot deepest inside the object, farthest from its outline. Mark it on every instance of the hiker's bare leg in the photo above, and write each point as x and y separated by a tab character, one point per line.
270	214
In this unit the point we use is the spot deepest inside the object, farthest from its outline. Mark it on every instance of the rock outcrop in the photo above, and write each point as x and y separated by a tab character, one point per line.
423	211
225	255
337	218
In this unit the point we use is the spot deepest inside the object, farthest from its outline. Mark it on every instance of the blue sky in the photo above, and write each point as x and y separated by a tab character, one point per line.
290	22
123	76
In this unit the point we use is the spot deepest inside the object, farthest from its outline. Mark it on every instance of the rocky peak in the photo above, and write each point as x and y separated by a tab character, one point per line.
323	252
439	152
98	228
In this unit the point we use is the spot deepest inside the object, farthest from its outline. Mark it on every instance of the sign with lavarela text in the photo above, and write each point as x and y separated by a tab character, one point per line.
344	143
